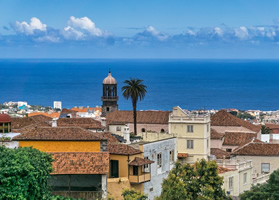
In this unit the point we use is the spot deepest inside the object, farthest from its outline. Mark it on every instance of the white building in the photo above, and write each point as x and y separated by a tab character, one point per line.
22	103
57	105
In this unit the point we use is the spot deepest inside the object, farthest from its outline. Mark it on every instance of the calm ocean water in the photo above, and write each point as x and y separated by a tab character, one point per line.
191	84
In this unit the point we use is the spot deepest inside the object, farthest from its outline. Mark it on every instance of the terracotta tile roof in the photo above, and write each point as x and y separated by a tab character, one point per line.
57	134
4	118
219	153
258	149
215	135
87	123
140	162
222	170
223	118
122	149
143	117
83	109
68	111
41	118
238	138
52	115
182	155
18	124
80	163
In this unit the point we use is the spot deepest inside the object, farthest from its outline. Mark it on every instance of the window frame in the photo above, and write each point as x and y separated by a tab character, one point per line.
190	128
118	128
245	178
190	146
159	160
231	183
262	168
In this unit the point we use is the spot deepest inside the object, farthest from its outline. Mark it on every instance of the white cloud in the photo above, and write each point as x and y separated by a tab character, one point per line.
241	32
71	33
48	38
190	32
28	29
156	33
218	31
84	23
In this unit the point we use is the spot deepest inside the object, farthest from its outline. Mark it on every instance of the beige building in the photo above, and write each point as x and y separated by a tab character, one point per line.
193	134
237	176
264	156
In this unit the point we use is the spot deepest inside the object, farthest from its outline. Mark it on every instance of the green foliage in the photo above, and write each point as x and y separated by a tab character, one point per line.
245	115
53	197
24	173
265	130
196	182
266	191
133	195
135	90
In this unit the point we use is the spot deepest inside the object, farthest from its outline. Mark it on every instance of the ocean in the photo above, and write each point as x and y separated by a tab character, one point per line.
190	84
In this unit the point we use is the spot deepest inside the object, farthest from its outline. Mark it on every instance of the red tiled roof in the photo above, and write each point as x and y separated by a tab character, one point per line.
143	117
18	124
215	135
87	123
51	115
258	149
272	126
5	118
140	162
41	118
222	170
238	138
57	134
80	163
219	153
223	118
182	155
66	111
122	149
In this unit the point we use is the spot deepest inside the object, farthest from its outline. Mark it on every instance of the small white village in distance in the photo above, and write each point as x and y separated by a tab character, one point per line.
98	147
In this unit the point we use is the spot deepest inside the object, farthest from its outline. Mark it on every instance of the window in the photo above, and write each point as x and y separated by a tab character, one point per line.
190	128
172	156
107	109
114	168
135	170
265	167
228	150
159	160
245	178
190	144
162	130
143	130
118	128
231	183
146	166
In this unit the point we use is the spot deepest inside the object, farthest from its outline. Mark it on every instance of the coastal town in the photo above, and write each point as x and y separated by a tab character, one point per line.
99	152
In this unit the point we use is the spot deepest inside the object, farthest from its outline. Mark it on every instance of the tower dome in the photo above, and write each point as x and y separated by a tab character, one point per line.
109	80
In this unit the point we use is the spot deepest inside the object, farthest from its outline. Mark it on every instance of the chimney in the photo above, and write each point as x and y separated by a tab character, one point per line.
126	134
54	123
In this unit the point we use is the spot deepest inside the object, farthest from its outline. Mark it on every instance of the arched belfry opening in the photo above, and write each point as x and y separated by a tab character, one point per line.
109	97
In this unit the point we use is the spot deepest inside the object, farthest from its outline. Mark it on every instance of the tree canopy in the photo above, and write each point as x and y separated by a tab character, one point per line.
133	195
194	182
266	191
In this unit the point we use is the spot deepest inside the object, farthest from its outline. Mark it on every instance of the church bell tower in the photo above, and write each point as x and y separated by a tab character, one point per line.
109	97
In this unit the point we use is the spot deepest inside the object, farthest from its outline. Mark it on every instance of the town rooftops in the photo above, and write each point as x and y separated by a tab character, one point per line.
238	138
57	134
68	111
87	123
257	149
215	135
122	149
80	163
140	161
143	117
219	153
41	118
18	124
85	109
52	115
223	118
5	118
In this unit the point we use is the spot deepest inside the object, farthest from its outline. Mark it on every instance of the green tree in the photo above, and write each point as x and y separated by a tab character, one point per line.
196	182
265	130
24	173
133	195
135	90
266	191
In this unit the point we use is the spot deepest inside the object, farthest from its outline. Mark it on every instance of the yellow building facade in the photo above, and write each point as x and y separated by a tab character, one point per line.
193	134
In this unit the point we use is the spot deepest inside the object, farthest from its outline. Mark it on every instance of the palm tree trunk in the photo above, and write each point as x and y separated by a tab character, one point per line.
135	116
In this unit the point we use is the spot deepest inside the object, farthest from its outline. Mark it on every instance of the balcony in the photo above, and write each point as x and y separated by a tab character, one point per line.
104	98
144	177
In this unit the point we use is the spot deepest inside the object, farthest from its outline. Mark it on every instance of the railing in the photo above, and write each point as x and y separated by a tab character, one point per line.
234	164
260	179
190	118
140	178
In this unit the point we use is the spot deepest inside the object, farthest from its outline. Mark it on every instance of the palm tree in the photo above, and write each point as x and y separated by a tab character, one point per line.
134	90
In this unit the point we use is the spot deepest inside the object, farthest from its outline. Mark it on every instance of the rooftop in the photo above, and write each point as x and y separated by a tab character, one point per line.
219	153
4	118
215	135
238	138
109	80
122	149
140	161
223	118
81	163
143	117
87	123
258	149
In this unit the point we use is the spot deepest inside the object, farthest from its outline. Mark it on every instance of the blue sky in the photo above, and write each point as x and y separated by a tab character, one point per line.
139	29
